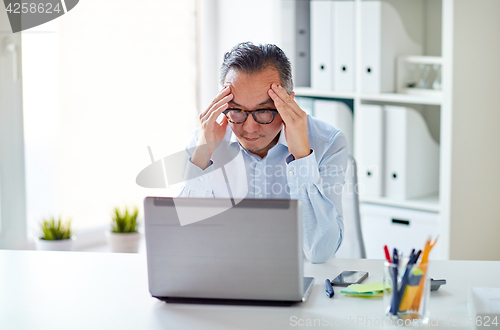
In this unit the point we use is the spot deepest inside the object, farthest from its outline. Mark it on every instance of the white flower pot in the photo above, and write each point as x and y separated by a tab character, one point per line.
123	242
57	245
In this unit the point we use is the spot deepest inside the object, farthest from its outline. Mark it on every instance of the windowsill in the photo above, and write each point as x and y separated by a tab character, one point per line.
107	248
92	240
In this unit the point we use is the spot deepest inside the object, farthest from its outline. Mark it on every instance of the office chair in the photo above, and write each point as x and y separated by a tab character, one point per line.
352	244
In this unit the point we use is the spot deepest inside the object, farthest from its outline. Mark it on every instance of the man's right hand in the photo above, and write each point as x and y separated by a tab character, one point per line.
211	132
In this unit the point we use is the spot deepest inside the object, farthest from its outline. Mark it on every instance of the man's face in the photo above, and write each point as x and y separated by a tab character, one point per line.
250	93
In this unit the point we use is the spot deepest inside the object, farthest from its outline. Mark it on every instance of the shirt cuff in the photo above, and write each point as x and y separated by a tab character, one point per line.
302	172
199	183
291	157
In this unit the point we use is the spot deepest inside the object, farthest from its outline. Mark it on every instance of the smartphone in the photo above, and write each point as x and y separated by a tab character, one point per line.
348	277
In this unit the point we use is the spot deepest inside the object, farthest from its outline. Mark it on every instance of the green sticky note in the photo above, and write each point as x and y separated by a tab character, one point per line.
362	288
365	296
350	291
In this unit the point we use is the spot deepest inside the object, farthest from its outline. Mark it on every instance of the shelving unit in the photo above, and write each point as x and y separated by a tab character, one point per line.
465	123
358	97
308	92
465	119
433	203
429	204
400	98
384	97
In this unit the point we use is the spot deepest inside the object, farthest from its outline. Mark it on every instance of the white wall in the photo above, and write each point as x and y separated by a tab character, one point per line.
475	176
113	79
231	22
256	21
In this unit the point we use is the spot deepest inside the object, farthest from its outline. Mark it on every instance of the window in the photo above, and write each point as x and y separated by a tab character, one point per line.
102	83
12	193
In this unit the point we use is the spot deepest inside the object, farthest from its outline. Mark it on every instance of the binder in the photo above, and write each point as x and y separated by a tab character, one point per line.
321	45
295	39
344	44
371	39
337	114
389	28
369	149
412	155
302	74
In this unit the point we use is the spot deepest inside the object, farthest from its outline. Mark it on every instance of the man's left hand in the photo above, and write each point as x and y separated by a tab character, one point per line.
294	119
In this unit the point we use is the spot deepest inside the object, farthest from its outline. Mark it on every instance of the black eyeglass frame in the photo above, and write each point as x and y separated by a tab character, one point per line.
273	111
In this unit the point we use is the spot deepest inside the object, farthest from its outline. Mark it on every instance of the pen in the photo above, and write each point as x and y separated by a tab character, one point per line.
411	289
404	279
417	255
423	265
329	289
395	263
387	255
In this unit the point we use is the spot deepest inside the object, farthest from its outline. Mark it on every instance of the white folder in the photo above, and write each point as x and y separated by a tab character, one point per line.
344	45
369	149
371	38
412	155
337	114
389	28
295	39
302	75
321	45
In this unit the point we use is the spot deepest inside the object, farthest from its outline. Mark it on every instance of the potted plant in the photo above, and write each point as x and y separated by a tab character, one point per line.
123	236
56	235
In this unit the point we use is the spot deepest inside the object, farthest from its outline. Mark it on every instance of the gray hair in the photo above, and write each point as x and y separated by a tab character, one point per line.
251	58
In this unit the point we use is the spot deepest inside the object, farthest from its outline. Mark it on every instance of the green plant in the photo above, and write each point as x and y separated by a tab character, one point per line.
55	230
125	222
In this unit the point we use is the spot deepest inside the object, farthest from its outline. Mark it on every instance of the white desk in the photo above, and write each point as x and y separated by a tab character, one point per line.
78	290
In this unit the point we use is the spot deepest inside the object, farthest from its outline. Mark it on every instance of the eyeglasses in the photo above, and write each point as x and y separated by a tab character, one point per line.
261	116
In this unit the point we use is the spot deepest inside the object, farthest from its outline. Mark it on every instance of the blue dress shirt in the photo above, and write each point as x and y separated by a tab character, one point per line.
315	180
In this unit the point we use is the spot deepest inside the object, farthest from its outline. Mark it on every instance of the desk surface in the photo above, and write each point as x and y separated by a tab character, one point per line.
78	290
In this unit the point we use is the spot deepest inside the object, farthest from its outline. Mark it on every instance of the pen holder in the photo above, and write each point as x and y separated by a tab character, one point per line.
406	294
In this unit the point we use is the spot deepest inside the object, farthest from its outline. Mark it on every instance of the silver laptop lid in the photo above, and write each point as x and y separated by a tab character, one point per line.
252	250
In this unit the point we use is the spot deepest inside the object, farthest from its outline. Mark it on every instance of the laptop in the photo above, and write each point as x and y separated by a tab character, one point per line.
205	250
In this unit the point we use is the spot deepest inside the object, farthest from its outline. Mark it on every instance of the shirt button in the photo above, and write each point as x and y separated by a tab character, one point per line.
201	179
260	195
210	176
291	172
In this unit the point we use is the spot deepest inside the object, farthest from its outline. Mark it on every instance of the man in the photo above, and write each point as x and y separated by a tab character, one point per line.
284	152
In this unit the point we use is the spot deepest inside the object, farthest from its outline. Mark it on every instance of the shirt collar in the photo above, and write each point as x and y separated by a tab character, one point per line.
231	135
282	138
